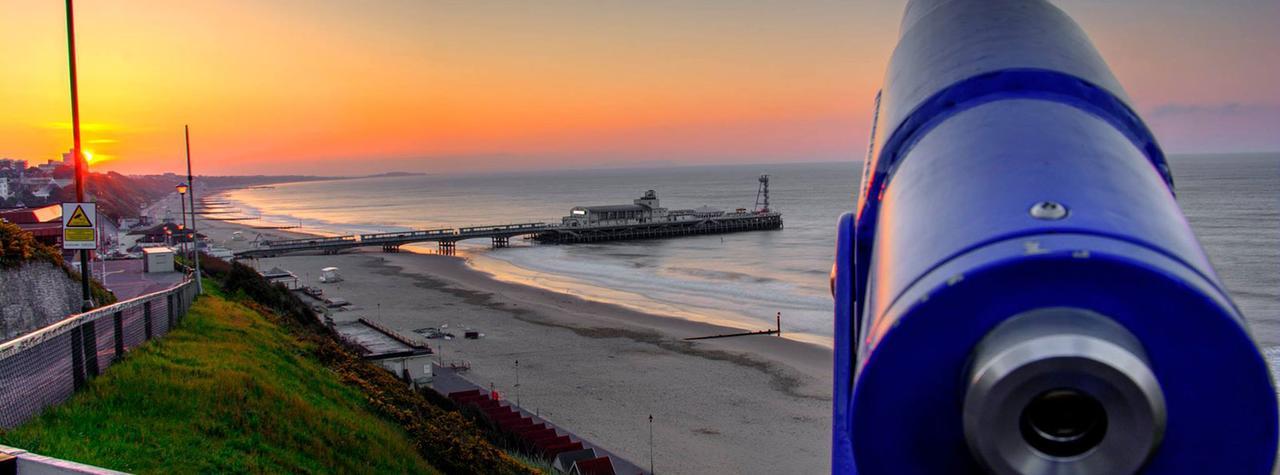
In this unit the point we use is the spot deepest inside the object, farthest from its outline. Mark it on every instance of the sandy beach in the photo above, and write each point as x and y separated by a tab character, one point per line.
756	404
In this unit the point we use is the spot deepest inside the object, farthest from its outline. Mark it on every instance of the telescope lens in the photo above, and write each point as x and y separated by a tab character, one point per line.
1063	422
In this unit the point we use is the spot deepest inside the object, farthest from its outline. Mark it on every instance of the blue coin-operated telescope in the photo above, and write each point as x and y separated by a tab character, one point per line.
1017	290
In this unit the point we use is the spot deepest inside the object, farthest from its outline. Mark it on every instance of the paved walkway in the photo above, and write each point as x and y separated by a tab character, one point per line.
126	279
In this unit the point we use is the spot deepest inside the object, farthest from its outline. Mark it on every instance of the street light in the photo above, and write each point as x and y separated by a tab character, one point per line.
186	133
182	199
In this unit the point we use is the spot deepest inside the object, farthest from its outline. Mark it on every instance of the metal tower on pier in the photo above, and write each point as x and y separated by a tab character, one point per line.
762	195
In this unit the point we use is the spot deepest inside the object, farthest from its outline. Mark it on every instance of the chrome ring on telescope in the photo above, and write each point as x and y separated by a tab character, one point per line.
1062	391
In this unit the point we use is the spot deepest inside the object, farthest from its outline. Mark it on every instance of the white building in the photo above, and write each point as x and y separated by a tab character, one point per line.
46	190
5	190
407	358
642	210
158	259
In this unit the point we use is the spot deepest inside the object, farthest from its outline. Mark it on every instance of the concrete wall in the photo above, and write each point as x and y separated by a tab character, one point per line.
28	463
35	295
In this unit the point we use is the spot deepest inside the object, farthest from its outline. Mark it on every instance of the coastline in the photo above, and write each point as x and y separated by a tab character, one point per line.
597	368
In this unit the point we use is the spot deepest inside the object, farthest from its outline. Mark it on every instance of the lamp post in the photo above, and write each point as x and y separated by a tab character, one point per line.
182	200
651	443
186	133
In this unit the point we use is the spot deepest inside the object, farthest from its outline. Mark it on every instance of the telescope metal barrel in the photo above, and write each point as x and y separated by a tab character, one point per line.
1017	290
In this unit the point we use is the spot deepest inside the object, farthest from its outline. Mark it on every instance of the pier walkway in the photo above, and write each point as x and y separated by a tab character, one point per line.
447	238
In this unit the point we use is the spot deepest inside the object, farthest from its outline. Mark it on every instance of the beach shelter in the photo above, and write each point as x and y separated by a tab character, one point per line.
276	273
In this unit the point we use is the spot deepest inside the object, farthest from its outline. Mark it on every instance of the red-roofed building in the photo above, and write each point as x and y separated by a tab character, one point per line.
45	222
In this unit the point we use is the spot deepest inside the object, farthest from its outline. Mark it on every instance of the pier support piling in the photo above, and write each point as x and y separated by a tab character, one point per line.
447	248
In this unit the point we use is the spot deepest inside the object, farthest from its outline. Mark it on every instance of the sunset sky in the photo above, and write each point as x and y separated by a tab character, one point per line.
341	87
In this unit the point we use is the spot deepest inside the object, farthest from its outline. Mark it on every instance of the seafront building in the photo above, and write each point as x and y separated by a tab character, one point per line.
642	210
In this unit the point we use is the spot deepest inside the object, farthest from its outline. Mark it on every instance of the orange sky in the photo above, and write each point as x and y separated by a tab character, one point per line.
338	87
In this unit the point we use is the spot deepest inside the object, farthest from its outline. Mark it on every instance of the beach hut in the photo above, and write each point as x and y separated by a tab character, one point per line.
595	466
330	275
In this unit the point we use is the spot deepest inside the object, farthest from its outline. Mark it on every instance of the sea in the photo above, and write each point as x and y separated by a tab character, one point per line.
743	279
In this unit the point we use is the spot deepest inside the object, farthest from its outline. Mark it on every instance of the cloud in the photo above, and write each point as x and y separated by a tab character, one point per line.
102	141
1216	128
84	126
1224	109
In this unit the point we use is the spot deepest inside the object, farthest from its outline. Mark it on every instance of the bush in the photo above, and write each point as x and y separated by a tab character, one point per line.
450	441
101	296
18	247
240	278
446	438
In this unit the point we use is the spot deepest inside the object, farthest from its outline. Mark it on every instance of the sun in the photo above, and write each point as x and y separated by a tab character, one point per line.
91	158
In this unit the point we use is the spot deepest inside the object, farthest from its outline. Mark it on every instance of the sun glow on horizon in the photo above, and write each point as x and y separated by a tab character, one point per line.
94	158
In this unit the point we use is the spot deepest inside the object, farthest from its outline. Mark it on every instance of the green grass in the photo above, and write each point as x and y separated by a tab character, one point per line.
228	391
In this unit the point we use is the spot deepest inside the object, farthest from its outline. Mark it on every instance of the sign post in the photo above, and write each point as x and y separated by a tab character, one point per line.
79	226
82	168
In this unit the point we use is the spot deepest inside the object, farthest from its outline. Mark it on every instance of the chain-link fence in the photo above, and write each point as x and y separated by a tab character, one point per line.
46	366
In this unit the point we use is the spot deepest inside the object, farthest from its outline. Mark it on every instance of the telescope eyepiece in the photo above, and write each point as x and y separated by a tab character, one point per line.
1063	391
1063	422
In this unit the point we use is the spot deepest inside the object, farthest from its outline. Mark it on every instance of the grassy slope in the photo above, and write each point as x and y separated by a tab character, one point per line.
228	391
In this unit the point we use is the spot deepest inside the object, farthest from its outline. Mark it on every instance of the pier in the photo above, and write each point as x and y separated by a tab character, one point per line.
644	218
500	235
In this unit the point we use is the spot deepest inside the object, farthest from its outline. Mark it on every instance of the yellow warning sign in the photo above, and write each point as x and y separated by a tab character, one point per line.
78	230
80	220
78	234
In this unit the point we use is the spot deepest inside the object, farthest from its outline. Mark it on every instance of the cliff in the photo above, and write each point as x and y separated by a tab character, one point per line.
35	294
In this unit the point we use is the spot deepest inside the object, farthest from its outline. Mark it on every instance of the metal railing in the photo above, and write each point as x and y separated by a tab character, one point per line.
310	241
46	366
406	234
